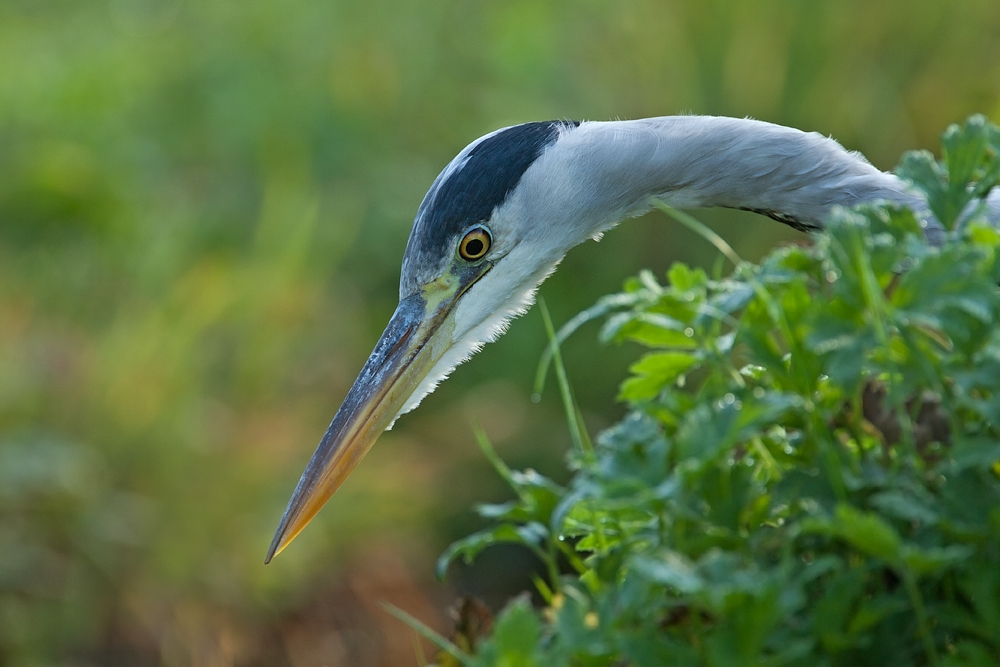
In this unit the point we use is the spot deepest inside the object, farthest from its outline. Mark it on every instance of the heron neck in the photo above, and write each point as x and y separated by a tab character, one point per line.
611	169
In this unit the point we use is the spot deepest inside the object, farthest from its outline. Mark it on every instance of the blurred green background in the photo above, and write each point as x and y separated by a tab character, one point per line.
203	207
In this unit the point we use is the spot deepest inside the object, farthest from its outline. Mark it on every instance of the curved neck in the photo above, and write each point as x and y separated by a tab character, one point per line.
608	171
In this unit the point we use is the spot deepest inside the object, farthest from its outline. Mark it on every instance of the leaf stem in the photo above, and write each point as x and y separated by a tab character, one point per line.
582	444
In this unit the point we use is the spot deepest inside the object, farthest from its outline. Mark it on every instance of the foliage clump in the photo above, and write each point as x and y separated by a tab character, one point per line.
809	470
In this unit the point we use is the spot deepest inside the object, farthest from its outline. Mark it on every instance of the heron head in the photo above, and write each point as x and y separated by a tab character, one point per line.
473	260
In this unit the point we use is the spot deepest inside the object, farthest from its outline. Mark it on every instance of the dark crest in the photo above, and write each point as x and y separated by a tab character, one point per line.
492	169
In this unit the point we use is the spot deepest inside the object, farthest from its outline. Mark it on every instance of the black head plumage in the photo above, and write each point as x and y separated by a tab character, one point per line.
474	185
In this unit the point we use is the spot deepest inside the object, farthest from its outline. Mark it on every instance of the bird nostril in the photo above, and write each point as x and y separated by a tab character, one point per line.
401	342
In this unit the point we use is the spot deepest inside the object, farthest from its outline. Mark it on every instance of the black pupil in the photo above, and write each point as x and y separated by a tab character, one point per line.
474	247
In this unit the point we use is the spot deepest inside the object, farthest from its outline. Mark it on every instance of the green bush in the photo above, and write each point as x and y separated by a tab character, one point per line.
808	471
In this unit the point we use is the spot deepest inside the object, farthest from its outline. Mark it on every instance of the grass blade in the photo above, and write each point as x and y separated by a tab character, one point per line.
428	634
576	431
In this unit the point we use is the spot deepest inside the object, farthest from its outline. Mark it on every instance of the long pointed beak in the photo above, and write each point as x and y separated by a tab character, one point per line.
419	332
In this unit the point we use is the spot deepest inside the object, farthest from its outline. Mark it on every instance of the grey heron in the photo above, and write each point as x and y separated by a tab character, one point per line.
504	212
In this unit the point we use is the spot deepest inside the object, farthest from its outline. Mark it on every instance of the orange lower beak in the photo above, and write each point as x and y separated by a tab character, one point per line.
416	337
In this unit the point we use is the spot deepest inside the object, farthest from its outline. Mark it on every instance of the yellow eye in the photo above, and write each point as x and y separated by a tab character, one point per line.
475	244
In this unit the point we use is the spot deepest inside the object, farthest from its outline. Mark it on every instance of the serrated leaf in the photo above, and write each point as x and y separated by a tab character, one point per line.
683	278
650	329
654	372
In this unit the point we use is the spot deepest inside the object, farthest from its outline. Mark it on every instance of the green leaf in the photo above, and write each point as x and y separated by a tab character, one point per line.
515	639
467	548
904	506
872	611
711	429
650	329
975	452
931	560
537	498
670	569
683	278
867	532
969	157
518	629
970	653
981	587
654	372
833	610
649	649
